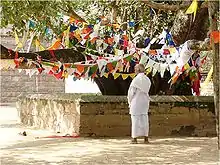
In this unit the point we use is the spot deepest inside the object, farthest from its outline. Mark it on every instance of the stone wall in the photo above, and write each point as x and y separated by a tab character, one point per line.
108	115
15	83
49	112
169	116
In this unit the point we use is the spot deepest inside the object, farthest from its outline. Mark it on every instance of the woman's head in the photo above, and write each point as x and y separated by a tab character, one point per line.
139	68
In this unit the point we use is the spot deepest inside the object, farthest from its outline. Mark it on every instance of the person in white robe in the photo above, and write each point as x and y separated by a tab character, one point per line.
139	100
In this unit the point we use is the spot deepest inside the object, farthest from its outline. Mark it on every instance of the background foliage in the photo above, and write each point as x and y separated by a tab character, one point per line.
47	16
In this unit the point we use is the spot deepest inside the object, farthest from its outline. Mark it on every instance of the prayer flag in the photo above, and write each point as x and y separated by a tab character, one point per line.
116	75
192	8
132	75
80	68
67	41
215	36
18	43
131	24
106	75
124	76
55	45
186	66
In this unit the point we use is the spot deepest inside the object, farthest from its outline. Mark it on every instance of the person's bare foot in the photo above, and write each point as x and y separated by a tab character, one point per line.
134	141
146	141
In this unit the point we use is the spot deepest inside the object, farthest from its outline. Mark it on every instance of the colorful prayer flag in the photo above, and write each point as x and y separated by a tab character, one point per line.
192	8
124	76
116	75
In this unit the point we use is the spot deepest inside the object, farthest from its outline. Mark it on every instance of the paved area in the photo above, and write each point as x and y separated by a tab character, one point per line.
27	150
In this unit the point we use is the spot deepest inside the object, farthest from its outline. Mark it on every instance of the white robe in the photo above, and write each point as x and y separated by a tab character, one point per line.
138	99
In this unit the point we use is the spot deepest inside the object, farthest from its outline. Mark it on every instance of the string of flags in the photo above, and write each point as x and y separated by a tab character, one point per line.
118	49
94	66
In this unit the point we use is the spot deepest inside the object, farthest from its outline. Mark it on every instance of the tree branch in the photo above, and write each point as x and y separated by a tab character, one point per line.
163	6
199	45
76	16
75	55
64	10
67	55
70	12
73	14
167	7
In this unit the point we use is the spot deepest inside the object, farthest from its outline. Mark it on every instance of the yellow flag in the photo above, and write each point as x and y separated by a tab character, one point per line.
148	70
116	75
18	43
208	78
132	75
38	44
172	50
116	52
192	8
106	75
77	34
186	66
67	41
41	48
124	76
136	55
16	38
65	74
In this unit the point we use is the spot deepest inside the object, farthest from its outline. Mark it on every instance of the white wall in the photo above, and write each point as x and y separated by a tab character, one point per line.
80	86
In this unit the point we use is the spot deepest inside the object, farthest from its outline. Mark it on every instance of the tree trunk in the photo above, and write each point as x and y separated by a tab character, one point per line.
213	9
183	29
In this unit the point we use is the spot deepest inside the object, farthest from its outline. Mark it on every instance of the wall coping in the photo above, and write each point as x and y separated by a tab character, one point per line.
95	98
153	98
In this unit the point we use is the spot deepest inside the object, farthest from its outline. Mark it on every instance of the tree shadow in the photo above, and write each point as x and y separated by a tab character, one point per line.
112	151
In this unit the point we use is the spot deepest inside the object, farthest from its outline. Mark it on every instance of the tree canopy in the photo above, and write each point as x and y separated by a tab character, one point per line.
47	17
50	19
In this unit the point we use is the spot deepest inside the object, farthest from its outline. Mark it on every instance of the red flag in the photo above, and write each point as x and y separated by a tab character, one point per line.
58	75
80	68
215	36
166	52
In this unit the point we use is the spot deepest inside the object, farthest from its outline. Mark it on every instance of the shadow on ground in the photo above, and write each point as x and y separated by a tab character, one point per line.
26	150
112	151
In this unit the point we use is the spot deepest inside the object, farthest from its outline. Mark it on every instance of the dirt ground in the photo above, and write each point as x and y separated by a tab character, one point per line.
27	150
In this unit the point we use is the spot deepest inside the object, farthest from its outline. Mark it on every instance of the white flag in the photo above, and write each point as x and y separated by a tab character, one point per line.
163	68
185	55
150	63
144	59
172	68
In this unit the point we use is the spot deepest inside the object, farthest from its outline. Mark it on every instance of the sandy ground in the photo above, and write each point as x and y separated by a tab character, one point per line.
27	150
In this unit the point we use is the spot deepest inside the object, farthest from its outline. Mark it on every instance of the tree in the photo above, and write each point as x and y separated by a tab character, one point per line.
213	15
184	27
48	15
